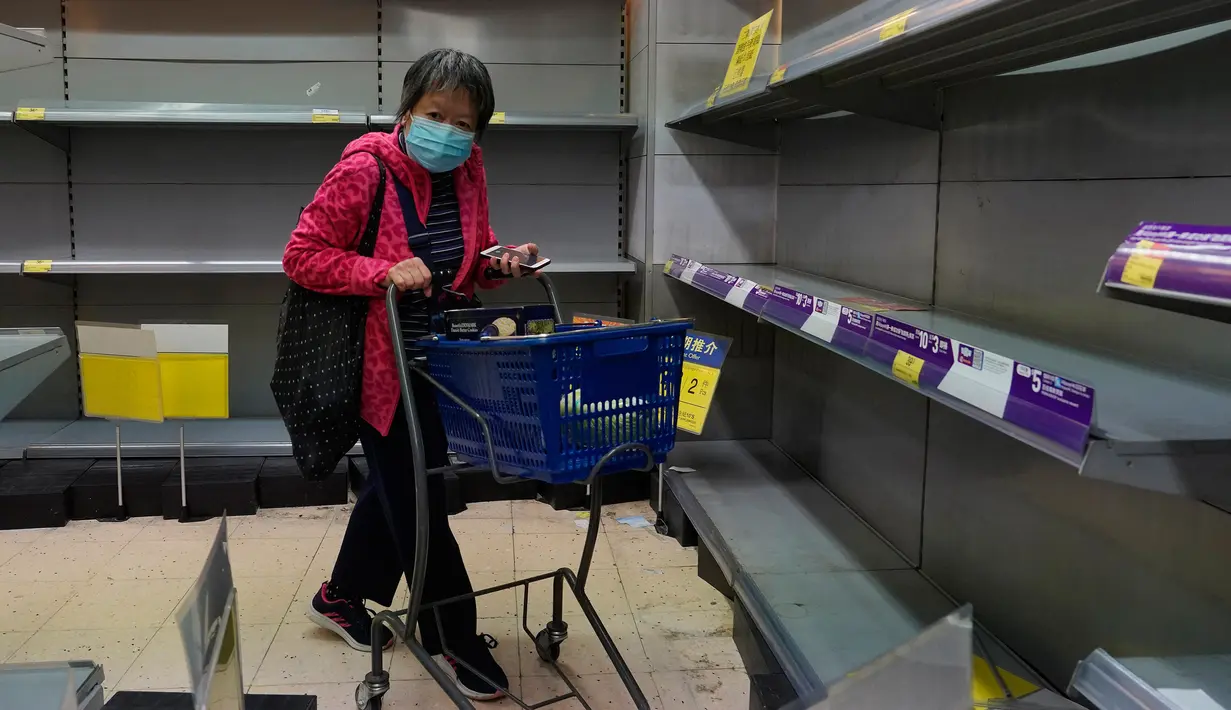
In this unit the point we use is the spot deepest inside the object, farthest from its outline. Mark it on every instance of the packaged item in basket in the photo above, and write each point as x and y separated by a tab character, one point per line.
502	322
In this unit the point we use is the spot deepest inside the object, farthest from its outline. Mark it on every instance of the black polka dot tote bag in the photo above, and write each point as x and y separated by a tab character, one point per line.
318	374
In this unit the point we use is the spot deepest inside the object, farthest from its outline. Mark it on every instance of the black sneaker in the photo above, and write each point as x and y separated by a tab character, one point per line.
349	619
477	653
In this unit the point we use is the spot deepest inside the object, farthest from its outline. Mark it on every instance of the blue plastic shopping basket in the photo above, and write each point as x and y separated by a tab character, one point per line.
556	404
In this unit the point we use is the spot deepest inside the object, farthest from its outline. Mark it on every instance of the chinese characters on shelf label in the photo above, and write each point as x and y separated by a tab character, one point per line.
744	57
1186	261
1052	406
703	358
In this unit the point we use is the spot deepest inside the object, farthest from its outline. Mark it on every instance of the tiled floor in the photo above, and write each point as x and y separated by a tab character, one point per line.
108	592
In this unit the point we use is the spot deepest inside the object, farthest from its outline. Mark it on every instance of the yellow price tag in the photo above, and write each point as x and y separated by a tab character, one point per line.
907	367
36	266
326	115
895	25
497	119
1142	267
709	102
744	58
778	75
29	114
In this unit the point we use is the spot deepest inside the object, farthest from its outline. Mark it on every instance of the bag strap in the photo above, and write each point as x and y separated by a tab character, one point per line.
367	243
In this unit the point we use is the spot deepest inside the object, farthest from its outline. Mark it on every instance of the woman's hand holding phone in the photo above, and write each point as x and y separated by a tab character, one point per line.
510	264
409	275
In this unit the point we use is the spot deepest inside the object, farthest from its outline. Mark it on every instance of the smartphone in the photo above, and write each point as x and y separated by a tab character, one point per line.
497	252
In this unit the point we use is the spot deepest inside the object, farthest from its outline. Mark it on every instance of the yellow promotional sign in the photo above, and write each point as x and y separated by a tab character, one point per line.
703	358
1141	269
119	372
326	115
36	266
744	58
497	118
195	369
27	113
778	75
713	97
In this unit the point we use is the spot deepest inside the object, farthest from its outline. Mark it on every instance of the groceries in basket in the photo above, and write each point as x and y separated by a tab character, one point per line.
500	322
612	421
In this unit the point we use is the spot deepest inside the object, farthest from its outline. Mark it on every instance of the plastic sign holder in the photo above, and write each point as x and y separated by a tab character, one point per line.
120	381
151	373
208	620
194	365
703	358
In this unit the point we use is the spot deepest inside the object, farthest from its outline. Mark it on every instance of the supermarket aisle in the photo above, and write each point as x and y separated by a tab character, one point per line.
108	591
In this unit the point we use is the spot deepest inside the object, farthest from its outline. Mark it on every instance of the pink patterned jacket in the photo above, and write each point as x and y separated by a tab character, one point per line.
322	256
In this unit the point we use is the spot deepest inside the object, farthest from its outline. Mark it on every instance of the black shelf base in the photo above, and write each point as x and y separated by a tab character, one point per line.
34	494
132	700
281	485
93	496
215	486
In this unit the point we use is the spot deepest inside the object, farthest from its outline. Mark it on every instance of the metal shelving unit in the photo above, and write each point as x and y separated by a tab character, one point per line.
20	49
1154	429
828	594
521	120
95	438
1184	268
1153	683
39	268
887	58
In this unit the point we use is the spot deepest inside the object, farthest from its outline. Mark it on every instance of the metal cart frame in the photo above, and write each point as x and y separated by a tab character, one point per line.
547	641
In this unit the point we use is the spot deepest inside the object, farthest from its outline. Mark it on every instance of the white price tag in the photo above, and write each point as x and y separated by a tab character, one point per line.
823	321
739	292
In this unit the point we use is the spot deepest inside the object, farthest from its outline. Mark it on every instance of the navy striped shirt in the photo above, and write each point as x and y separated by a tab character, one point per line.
440	247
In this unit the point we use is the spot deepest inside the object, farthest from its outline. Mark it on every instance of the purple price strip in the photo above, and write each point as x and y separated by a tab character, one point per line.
1179	258
714	282
789	306
916	355
1055	407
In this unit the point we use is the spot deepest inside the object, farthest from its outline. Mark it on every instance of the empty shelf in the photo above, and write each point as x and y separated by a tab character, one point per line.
95	438
1189	682
21	48
45	267
27	357
887	58
828	595
16	435
101	113
1176	267
525	120
1109	418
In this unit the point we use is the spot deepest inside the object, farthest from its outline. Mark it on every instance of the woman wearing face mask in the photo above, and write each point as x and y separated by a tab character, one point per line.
434	221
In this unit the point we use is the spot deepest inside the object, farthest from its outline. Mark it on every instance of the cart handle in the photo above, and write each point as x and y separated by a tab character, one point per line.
496	275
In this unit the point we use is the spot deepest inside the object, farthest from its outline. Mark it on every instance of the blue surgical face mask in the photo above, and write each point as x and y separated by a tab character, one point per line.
438	147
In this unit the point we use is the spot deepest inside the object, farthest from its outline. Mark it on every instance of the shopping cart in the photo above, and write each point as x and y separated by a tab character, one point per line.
516	408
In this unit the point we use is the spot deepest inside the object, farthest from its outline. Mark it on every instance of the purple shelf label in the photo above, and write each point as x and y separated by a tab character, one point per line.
1181	258
857	321
923	344
826	320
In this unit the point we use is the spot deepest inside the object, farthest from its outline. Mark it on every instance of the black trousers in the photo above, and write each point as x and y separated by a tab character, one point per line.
379	545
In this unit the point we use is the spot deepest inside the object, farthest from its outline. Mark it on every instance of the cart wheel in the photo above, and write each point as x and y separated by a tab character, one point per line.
369	703
548	650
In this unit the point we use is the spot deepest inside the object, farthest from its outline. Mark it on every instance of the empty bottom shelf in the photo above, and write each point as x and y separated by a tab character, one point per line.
95	438
826	592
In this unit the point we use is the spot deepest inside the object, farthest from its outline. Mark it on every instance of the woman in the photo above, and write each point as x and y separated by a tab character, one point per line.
434	223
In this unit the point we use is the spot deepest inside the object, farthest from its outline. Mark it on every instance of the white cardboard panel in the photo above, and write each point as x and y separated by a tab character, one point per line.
227	30
523	32
195	338
342	84
118	339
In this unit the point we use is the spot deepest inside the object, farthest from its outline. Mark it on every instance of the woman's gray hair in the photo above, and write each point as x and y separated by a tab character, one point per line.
446	70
